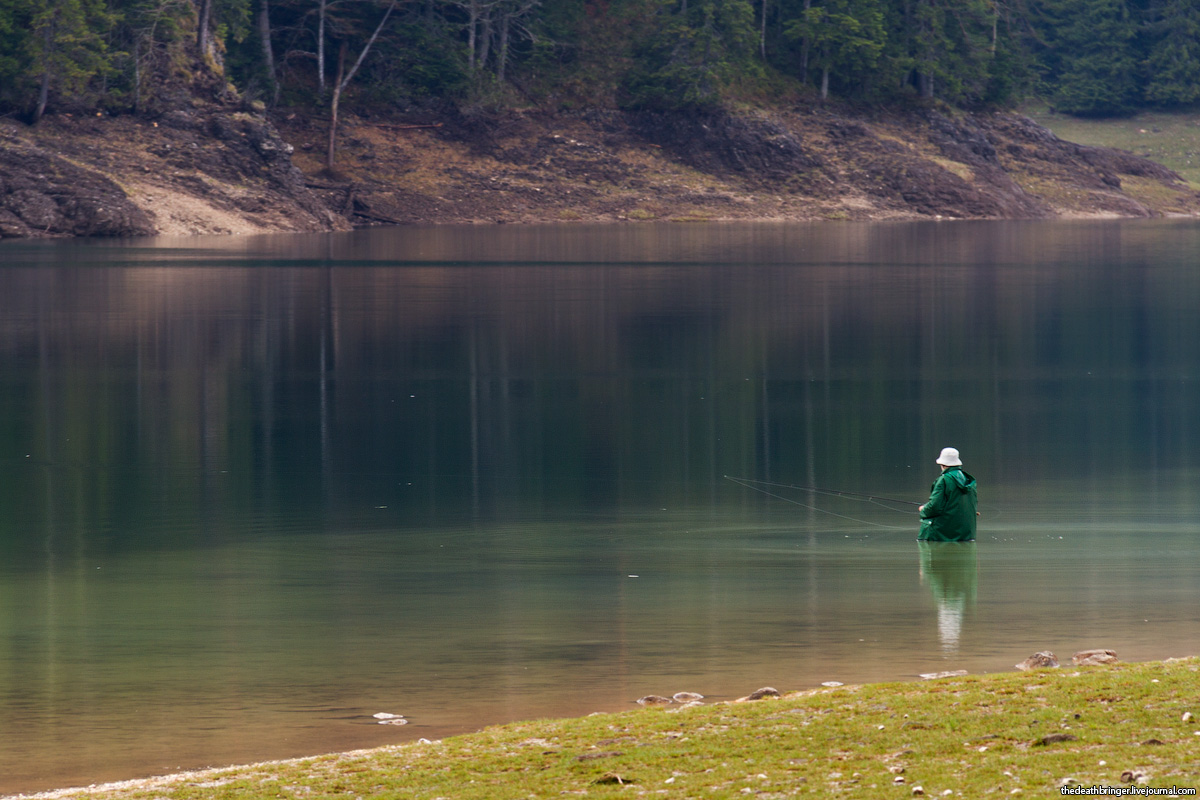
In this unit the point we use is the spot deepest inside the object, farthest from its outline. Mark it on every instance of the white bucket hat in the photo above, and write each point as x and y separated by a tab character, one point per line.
949	458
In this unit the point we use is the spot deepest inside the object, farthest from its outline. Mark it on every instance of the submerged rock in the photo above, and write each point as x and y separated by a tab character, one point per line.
1090	658
686	697
1038	660
654	700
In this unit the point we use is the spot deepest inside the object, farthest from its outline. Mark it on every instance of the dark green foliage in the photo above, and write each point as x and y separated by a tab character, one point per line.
1173	60
52	51
1090	57
842	38
1011	73
416	61
690	53
14	27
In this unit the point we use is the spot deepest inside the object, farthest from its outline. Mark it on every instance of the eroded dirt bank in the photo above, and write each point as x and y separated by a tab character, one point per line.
217	170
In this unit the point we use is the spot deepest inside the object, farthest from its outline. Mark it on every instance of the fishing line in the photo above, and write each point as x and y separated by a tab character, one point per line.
749	484
870	498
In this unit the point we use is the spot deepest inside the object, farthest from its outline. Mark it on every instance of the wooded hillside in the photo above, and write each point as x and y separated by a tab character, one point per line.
1087	57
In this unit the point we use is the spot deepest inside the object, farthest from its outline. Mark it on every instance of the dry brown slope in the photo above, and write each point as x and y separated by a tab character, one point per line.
210	169
796	164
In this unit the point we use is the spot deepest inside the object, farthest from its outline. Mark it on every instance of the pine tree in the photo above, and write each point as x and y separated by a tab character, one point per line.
844	37
1173	63
948	47
695	49
67	48
1091	62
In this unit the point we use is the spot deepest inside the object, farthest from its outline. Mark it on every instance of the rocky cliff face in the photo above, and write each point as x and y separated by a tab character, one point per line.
42	194
208	169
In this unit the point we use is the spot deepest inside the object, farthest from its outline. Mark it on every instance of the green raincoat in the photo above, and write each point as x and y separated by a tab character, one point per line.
949	513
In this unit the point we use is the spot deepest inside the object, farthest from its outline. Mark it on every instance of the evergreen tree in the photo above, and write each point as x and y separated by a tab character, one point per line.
1091	63
948	47
844	37
1173	63
14	28
1011	72
692	52
66	48
151	36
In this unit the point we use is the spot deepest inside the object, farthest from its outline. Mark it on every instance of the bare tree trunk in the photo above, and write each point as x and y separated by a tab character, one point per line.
344	81
44	86
331	151
825	83
203	17
472	26
137	75
502	51
762	35
264	32
321	47
804	48
43	97
485	45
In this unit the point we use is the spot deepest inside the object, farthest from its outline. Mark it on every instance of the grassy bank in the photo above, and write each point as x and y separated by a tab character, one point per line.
1021	733
1172	140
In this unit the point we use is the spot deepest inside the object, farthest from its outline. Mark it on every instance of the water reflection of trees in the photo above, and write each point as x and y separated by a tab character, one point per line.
491	388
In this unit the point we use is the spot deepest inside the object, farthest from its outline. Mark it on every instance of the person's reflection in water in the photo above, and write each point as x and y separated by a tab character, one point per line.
952	572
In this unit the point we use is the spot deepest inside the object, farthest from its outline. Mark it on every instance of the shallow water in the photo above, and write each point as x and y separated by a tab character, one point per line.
257	490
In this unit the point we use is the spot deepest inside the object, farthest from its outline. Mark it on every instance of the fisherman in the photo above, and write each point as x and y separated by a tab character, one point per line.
949	513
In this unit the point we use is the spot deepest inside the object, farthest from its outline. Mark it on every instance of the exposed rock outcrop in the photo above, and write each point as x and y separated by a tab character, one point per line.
42	194
200	170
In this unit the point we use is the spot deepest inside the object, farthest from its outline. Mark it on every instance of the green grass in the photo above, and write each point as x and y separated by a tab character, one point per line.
978	736
1172	140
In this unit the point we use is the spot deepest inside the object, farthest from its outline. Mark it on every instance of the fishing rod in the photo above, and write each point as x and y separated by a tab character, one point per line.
750	483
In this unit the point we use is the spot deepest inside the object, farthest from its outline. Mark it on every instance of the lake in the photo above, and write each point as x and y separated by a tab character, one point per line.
258	490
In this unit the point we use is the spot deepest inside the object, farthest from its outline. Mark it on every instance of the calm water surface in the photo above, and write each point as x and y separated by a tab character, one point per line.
256	490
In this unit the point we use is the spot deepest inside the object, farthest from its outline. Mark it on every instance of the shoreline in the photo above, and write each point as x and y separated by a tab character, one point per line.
1096	684
222	170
